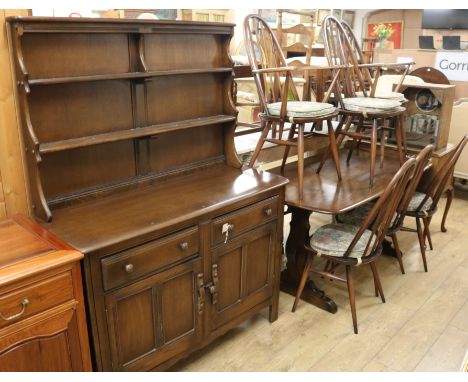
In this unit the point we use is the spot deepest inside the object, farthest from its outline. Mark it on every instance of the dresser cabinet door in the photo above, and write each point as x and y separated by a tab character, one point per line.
48	342
154	319
242	273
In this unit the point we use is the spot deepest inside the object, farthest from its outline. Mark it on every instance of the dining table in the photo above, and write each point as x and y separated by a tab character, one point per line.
324	193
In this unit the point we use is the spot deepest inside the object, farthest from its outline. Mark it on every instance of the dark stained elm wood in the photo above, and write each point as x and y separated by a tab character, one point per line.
68	111
175	47
322	193
121	76
130	214
139	132
104	54
132	161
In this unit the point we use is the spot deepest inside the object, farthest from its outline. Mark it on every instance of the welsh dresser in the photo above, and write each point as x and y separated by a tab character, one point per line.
129	135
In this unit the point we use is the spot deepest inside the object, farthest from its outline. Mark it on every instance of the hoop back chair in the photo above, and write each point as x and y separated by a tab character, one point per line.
370	78
279	98
423	204
355	103
357	215
349	245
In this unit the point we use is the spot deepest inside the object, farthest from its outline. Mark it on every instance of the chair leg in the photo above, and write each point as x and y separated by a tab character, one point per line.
427	232
261	141
378	284
274	130
396	246
400	140
292	130
352	297
373	152
304	277
382	142
326	267
334	148
355	143
422	245
338	142
300	161
449	194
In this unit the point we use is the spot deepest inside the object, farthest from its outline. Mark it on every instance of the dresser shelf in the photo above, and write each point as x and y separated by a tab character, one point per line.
140	132
124	76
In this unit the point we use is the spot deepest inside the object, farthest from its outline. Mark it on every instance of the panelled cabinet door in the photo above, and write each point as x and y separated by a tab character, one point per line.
242	272
52	338
154	319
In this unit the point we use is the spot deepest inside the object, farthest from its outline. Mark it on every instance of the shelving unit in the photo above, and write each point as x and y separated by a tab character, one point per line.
86	84
129	135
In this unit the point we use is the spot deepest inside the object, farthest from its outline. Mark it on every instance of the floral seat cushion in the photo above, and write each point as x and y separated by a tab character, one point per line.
302	109
416	201
334	240
371	105
357	215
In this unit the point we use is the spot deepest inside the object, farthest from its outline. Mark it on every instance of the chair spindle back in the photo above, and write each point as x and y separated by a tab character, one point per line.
437	186
380	217
264	52
339	51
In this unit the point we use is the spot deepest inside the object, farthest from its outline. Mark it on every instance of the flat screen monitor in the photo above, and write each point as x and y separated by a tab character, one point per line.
445	19
426	42
451	42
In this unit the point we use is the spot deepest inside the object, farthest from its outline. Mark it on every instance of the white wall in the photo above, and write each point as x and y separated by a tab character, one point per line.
360	22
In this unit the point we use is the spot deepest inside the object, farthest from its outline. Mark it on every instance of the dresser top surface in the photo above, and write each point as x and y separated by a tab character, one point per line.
54	21
121	217
27	249
18	243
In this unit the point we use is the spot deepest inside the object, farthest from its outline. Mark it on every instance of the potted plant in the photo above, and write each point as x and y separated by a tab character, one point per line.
383	32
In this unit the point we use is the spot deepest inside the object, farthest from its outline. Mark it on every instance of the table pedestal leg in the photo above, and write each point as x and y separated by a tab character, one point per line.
296	255
388	249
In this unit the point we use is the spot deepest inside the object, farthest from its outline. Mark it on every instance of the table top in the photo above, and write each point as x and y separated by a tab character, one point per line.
325	194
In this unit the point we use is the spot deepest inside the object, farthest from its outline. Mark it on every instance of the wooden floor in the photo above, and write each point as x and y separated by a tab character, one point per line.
422	327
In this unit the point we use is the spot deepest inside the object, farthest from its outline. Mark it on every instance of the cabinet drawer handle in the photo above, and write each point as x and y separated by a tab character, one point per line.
24	303
183	246
129	268
268	211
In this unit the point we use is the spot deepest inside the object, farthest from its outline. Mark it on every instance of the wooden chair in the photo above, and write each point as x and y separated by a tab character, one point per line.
363	107
279	99
423	204
350	245
358	215
372	72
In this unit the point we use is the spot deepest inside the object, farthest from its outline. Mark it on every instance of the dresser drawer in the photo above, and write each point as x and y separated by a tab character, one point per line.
131	264
243	219
34	298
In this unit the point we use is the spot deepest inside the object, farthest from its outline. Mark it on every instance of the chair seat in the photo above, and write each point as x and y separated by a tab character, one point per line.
416	201
334	240
386	95
371	105
355	216
302	109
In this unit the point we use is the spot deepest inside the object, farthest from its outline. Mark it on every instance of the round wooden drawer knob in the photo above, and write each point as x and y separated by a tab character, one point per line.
129	268
183	246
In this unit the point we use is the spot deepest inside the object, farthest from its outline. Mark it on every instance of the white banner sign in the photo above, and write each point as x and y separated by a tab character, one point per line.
453	64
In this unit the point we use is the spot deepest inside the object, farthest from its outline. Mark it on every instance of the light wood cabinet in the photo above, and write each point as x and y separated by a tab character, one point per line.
42	319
